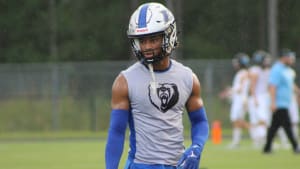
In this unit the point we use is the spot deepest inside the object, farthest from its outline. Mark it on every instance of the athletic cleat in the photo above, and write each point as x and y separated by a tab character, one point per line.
267	152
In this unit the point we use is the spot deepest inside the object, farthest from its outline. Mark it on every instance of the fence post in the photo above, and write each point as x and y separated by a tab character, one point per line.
55	97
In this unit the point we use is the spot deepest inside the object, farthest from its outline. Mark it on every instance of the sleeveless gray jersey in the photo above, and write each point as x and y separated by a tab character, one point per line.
156	115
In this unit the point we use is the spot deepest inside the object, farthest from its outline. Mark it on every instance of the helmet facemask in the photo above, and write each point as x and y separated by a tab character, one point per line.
168	44
135	44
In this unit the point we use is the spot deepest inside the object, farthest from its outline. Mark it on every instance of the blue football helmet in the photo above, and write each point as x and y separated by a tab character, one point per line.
242	60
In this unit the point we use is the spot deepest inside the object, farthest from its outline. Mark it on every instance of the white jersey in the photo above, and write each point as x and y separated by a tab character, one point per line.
156	115
240	86
260	110
240	90
262	79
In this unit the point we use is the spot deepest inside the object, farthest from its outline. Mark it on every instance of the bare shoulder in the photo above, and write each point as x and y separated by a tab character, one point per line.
196	83
119	98
195	100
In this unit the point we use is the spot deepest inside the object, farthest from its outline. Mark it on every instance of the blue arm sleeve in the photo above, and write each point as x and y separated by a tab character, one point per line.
199	127
116	138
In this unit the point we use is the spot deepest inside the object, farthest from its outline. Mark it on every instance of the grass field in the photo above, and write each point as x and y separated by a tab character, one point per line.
74	152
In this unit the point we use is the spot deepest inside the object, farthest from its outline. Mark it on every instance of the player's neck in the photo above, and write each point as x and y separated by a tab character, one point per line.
162	65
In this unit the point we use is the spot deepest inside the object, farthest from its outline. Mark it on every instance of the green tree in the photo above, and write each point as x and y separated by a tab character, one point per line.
96	29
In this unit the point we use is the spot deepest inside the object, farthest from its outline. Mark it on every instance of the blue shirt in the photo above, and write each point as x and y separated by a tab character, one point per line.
281	77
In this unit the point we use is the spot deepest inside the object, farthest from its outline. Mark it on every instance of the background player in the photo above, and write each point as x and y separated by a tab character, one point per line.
259	107
239	92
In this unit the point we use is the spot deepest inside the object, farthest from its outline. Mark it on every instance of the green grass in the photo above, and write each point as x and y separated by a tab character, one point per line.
219	157
73	152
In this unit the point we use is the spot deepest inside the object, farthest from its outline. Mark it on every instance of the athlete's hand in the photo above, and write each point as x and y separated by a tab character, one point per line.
190	158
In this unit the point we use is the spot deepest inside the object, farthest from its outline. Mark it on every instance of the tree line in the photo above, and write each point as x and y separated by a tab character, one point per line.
76	30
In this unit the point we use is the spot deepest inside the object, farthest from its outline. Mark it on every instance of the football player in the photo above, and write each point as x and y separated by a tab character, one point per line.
239	92
151	95
259	107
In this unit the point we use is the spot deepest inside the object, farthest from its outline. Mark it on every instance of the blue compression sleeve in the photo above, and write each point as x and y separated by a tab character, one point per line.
199	127
116	138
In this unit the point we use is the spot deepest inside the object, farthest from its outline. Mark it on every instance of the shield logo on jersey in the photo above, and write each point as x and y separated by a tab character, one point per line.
165	96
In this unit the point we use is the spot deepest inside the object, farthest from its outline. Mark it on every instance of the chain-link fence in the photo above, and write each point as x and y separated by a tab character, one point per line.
76	96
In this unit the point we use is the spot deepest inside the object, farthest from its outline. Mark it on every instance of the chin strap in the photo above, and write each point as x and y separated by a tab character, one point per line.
153	82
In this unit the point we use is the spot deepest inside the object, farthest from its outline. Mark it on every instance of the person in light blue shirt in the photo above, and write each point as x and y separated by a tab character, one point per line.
281	85
281	78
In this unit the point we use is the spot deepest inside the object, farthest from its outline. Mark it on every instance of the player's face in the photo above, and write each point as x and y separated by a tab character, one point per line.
267	62
235	64
151	45
289	60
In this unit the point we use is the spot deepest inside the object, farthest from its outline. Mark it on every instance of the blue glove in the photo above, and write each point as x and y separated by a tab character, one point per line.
190	158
